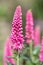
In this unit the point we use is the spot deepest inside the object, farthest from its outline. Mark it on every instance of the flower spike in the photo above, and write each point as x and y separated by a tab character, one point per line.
16	33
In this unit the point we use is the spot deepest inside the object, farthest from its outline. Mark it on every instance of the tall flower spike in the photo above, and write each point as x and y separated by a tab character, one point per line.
37	36
16	33
41	52
8	52
29	27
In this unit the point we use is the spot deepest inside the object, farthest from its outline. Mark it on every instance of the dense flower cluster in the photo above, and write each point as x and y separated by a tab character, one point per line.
16	33
29	27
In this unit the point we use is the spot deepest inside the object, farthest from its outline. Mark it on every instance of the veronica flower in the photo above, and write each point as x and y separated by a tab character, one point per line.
8	52
16	32
29	27
37	36
41	52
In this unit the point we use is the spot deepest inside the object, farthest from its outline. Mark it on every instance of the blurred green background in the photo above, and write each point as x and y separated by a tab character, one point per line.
7	8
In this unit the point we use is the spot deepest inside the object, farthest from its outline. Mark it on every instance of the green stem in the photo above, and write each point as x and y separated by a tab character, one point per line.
18	59
31	55
30	49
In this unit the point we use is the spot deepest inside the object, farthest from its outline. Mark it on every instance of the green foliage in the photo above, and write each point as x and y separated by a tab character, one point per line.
28	56
36	50
28	62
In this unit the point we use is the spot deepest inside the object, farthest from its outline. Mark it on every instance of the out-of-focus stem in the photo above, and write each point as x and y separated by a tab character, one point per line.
31	55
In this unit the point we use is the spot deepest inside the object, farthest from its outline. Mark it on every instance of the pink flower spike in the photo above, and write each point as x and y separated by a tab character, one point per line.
41	52
37	36
29	27
8	52
16	32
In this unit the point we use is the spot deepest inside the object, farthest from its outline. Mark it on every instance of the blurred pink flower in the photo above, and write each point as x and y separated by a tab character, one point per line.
37	36
29	27
41	52
8	52
16	33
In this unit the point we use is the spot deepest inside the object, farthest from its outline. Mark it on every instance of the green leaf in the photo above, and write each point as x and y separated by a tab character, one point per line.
29	63
35	60
8	63
36	50
9	57
25	50
14	57
25	57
